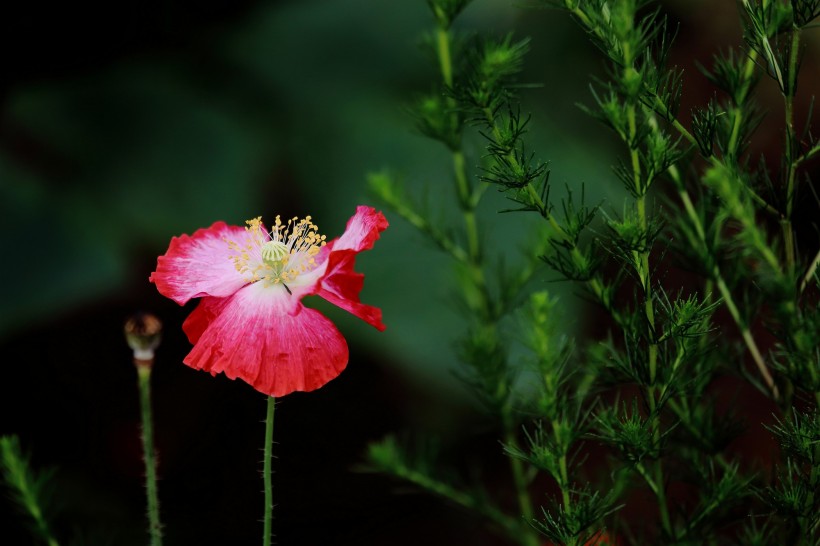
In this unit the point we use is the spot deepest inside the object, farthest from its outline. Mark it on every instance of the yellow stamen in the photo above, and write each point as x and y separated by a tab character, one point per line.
281	255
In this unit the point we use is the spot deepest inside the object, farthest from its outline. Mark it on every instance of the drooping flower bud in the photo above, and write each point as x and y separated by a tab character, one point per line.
143	332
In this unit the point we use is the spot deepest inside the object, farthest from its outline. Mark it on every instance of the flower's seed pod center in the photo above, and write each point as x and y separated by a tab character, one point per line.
279	256
275	254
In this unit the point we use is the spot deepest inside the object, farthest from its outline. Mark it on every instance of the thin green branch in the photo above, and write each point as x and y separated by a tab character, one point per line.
25	485
441	239
519	480
725	292
737	111
465	194
791	148
644	275
812	269
509	525
807	155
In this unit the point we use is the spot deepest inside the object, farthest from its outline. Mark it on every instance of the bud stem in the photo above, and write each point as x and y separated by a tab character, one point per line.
144	381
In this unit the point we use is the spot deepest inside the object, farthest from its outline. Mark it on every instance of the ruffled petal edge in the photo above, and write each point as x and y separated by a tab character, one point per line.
362	230
252	336
199	265
341	286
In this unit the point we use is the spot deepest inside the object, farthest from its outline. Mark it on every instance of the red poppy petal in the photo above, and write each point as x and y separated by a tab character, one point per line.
251	336
196	323
341	286
362	230
199	265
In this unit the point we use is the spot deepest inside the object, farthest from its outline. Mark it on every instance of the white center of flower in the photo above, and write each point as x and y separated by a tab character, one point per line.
279	256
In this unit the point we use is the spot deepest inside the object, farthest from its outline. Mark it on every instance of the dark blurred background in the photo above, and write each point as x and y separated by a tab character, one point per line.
124	124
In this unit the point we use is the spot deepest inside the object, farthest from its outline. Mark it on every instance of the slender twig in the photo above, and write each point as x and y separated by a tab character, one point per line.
510	525
23	484
725	292
808	154
810	271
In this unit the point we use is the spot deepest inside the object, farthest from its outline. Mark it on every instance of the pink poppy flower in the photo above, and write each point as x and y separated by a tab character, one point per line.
250	323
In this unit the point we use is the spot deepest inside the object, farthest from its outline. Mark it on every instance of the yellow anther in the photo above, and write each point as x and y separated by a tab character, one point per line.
280	255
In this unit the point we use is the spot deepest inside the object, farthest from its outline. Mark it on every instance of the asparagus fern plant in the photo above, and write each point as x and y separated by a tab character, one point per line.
646	399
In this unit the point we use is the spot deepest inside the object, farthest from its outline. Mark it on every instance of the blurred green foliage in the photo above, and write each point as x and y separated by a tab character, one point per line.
281	109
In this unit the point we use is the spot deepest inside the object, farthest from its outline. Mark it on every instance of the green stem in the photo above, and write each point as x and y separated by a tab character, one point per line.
466	200
644	275
266	472
791	149
20	478
444	59
683	414
509	525
740	99
562	470
148	450
660	488
791	138
520	482
725	293
594	285
439	237
467	206
810	271
808	154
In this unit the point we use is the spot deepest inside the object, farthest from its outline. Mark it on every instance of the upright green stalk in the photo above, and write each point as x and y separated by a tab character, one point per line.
563	471
463	191
468	203
148	450
644	275
143	333
519	480
266	472
791	149
737	110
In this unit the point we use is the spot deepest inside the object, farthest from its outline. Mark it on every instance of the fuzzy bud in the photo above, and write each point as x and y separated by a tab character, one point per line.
143	332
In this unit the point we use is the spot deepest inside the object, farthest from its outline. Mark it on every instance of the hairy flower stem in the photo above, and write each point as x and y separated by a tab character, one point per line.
149	454
267	474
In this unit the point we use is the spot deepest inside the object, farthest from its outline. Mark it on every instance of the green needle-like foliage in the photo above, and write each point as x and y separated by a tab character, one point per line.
642	408
579	526
26	487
